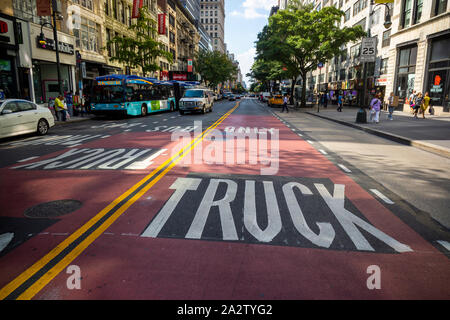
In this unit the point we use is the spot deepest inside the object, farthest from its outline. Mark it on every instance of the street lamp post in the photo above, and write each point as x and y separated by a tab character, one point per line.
361	115
55	39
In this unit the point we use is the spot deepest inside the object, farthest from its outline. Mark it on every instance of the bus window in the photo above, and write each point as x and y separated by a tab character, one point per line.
108	94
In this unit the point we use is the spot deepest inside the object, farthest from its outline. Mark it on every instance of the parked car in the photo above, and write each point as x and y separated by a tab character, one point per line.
196	100
276	100
19	116
231	97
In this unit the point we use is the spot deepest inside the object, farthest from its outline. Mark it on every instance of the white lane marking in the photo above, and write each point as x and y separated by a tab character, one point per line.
126	130
164	119
443	243
310	142
104	137
140	165
143	126
5	239
75	145
300	134
27	159
323	151
344	168
382	196
155	122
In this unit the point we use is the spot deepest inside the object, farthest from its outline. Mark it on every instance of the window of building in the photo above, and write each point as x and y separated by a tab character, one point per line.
107	9
108	45
361	23
406	71
87	37
347	15
384	66
440	6
411	12
359	6
386	38
438	83
418	11
85	3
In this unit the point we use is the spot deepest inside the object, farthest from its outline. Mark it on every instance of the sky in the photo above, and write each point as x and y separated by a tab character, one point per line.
244	19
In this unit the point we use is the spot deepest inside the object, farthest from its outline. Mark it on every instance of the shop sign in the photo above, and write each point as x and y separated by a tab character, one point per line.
179	77
164	75
381	82
189	67
137	4
7	31
43	8
50	45
161	23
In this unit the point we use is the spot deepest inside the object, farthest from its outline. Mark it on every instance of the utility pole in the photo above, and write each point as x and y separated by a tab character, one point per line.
55	37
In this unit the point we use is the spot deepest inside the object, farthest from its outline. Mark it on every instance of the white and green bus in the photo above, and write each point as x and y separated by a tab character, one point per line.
131	95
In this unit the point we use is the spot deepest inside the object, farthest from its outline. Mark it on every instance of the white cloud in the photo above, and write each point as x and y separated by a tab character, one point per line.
253	9
246	61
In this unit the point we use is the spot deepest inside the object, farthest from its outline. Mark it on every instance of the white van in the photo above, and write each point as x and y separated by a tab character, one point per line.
196	100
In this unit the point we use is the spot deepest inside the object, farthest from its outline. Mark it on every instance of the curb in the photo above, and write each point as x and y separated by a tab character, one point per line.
63	123
393	137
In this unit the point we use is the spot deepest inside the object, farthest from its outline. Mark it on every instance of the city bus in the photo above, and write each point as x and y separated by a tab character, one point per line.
131	95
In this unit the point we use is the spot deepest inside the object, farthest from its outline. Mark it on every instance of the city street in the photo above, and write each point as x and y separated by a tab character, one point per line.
244	202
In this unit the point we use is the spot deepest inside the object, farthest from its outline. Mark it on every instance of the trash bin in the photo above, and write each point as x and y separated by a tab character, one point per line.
361	116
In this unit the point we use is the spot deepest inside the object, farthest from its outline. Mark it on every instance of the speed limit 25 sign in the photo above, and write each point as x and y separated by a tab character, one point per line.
368	49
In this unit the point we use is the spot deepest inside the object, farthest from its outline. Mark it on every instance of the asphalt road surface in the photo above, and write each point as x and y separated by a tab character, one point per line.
238	203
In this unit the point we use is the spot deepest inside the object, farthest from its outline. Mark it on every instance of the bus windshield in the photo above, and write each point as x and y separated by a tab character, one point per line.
108	94
193	94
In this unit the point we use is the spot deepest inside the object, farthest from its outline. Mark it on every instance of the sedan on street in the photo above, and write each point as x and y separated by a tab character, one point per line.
21	116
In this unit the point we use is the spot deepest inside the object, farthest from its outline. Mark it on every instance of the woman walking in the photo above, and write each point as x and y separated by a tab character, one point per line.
375	107
425	104
391	106
339	101
418	104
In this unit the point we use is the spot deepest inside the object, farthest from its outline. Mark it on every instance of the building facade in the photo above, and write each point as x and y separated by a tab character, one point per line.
212	18
411	54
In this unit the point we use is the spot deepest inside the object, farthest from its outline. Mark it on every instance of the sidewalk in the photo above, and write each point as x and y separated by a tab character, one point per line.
431	134
74	119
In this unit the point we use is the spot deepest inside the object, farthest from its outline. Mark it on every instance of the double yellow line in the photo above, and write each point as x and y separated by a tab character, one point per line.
31	281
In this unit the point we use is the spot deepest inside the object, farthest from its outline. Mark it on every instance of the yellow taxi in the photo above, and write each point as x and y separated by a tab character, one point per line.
276	100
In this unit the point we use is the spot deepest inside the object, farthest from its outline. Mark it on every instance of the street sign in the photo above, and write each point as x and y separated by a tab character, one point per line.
368	49
320	65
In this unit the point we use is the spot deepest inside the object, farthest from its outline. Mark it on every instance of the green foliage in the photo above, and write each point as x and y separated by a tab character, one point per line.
300	37
142	50
214	67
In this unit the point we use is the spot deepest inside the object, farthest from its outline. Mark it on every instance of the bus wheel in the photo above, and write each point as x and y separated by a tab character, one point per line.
143	110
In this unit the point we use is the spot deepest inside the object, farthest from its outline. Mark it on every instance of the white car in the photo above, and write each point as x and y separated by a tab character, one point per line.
21	116
196	100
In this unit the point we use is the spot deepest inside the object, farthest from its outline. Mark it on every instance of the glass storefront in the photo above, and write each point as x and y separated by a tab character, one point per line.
45	78
7	83
439	72
406	72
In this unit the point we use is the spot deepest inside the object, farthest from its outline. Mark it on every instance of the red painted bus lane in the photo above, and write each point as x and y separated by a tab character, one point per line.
211	230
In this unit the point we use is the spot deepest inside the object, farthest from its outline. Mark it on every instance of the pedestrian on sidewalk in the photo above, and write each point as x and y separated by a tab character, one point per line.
285	102
325	100
375	107
60	109
391	106
412	100
418	104
339	101
425	104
